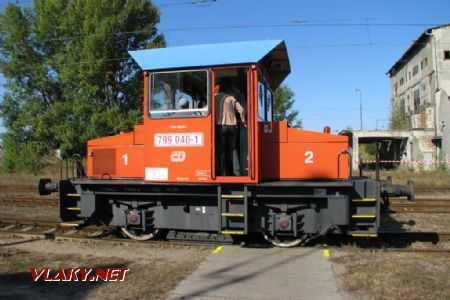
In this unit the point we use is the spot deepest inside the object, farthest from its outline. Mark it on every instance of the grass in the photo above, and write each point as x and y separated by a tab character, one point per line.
391	275
422	179
146	279
52	170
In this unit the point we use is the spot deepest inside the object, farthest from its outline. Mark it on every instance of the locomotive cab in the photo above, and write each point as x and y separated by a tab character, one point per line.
180	140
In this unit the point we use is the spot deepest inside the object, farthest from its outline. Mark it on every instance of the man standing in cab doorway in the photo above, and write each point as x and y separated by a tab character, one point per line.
226	107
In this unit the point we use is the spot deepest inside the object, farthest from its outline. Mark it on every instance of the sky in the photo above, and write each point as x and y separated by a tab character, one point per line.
335	47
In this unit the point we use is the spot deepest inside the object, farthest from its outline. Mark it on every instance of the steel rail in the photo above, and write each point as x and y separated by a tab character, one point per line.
394	249
16	201
418	209
83	233
30	222
18	188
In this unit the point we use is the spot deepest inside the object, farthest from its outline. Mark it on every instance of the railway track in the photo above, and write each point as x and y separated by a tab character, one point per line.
28	222
18	201
419	208
6	188
53	229
432	190
421	205
430	201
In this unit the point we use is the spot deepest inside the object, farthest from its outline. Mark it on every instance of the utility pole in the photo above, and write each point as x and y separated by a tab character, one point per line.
360	108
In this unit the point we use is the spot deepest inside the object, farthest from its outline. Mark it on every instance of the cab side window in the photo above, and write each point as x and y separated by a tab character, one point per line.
261	101
264	102
269	103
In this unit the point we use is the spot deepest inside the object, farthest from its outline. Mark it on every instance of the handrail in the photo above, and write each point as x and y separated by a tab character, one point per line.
252	124
213	129
343	152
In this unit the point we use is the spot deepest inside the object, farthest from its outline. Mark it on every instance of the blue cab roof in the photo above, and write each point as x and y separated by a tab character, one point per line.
271	53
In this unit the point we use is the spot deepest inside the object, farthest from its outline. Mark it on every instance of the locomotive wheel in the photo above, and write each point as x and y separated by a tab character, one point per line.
140	235
284	243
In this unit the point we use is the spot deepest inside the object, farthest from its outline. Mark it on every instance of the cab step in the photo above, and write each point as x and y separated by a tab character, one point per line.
232	215
71	223
232	196
233	232
364	200
371	234
364	216
74	208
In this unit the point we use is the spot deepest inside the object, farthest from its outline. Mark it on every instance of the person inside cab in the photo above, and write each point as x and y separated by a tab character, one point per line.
226	108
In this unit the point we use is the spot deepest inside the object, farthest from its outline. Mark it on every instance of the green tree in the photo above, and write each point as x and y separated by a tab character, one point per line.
68	75
398	118
283	100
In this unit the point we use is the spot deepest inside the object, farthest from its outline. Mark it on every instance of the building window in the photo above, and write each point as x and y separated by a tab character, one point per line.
423	63
409	75
416	101
446	54
402	104
402	81
415	70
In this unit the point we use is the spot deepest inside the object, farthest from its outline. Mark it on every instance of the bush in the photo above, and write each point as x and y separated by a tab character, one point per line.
22	157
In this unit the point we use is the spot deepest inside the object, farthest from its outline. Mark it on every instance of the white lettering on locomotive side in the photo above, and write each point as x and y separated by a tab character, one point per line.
309	157
191	139
125	159
178	126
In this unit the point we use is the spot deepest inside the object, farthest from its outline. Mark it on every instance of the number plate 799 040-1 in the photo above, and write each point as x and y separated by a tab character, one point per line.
194	139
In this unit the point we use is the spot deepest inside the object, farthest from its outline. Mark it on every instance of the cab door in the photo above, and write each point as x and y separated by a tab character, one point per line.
234	152
177	121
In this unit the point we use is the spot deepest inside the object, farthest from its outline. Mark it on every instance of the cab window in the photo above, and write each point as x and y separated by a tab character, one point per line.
261	101
269	97
264	102
181	94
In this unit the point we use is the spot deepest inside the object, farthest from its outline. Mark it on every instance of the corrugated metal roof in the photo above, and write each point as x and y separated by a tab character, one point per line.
272	53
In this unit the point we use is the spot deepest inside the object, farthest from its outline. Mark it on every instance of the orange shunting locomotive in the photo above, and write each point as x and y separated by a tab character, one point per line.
209	161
